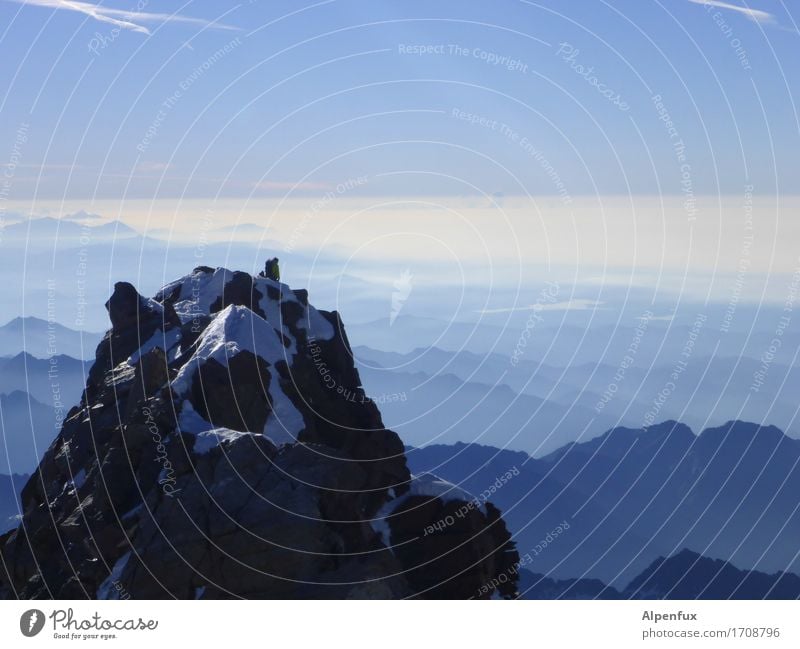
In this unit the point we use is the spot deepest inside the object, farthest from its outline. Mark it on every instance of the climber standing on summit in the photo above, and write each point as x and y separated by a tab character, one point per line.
271	270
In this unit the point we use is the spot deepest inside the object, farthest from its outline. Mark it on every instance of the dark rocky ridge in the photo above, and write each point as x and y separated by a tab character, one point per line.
214	455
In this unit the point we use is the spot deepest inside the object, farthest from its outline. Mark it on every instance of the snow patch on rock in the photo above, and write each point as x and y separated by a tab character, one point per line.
234	329
80	479
433	486
108	589
427	485
206	436
313	321
190	421
284	422
167	341
210	439
198	292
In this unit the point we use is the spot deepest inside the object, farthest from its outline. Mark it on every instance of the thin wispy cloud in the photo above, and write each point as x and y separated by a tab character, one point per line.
756	15
577	304
288	186
152	167
134	21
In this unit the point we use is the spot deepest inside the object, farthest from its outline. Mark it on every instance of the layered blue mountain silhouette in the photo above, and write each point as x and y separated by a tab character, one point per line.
42	339
631	496
686	575
35	395
541	405
35	231
27	428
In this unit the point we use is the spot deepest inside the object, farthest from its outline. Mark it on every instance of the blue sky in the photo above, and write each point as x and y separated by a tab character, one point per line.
292	98
639	155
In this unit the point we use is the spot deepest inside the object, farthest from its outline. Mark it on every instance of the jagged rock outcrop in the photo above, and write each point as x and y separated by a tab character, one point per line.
224	448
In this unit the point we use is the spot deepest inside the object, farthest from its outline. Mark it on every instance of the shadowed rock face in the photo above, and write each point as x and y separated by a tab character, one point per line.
239	405
224	448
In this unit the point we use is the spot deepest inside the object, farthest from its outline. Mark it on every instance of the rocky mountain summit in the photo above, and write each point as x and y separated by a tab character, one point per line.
224	448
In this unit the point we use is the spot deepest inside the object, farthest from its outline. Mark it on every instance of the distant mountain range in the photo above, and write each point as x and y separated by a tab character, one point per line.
42	339
445	409
35	394
630	496
48	230
685	575
572	394
68	268
606	484
561	344
59	378
27	428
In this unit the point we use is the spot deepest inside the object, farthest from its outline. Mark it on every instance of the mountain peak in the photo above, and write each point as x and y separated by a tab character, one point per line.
689	575
746	429
223	420
617	441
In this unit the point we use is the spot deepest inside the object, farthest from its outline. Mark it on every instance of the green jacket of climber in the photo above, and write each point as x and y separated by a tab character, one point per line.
272	270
